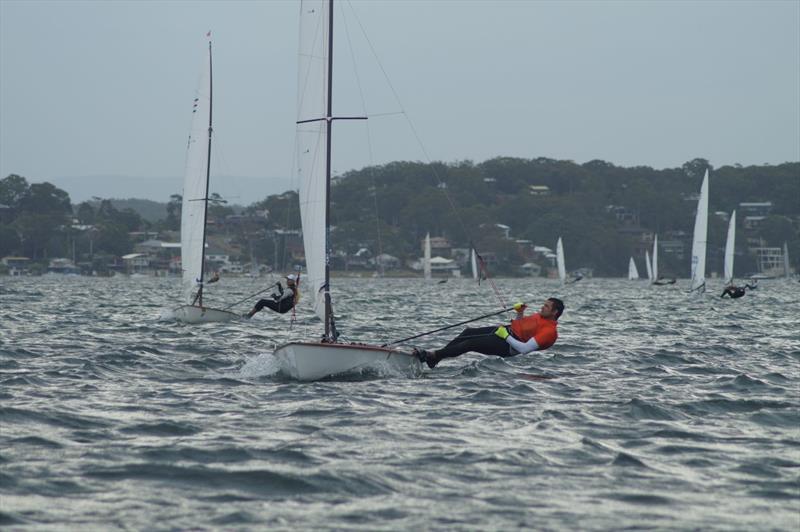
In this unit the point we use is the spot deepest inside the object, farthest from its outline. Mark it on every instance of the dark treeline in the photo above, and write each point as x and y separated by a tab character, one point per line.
601	210
464	201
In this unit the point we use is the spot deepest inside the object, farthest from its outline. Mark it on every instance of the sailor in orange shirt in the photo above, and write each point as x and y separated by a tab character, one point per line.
525	334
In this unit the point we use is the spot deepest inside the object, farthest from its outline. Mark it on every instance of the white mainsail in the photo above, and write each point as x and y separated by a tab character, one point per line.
194	207
312	145
473	260
195	188
633	272
699	241
316	360
562	269
655	259
730	242
426	259
649	267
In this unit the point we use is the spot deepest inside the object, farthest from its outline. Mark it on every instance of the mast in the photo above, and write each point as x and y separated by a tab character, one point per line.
329	327
204	199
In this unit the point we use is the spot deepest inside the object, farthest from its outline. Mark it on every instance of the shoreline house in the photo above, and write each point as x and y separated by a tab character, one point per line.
17	265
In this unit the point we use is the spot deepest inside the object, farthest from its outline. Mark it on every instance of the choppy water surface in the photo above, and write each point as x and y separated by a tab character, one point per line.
662	411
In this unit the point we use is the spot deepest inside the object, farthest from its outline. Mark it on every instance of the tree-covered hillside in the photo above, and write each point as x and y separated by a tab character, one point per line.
582	202
504	206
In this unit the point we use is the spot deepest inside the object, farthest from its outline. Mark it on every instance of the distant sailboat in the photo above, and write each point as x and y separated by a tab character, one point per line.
730	243
426	258
313	360
649	266
633	272
655	259
562	269
194	209
656	279
473	261
700	240
786	270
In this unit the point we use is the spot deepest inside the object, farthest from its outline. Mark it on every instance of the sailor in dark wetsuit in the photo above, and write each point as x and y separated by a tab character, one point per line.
732	291
282	301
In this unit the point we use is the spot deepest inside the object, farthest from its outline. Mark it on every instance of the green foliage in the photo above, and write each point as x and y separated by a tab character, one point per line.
389	209
463	201
173	221
9	240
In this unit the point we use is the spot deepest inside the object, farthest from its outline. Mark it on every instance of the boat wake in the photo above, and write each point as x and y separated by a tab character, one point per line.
166	315
263	365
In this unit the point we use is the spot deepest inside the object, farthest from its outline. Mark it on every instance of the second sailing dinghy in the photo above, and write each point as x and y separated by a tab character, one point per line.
699	241
314	360
195	207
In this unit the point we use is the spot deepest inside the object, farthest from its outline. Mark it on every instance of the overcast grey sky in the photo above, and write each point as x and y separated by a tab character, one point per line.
91	88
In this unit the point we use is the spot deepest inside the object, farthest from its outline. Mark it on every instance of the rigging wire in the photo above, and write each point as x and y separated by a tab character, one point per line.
417	137
369	141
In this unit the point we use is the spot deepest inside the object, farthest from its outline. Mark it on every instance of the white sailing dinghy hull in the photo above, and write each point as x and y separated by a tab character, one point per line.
314	361
195	314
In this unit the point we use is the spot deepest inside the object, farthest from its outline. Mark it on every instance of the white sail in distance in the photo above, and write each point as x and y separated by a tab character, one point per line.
562	269
730	243
655	259
649	267
473	260
426	258
633	272
700	239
